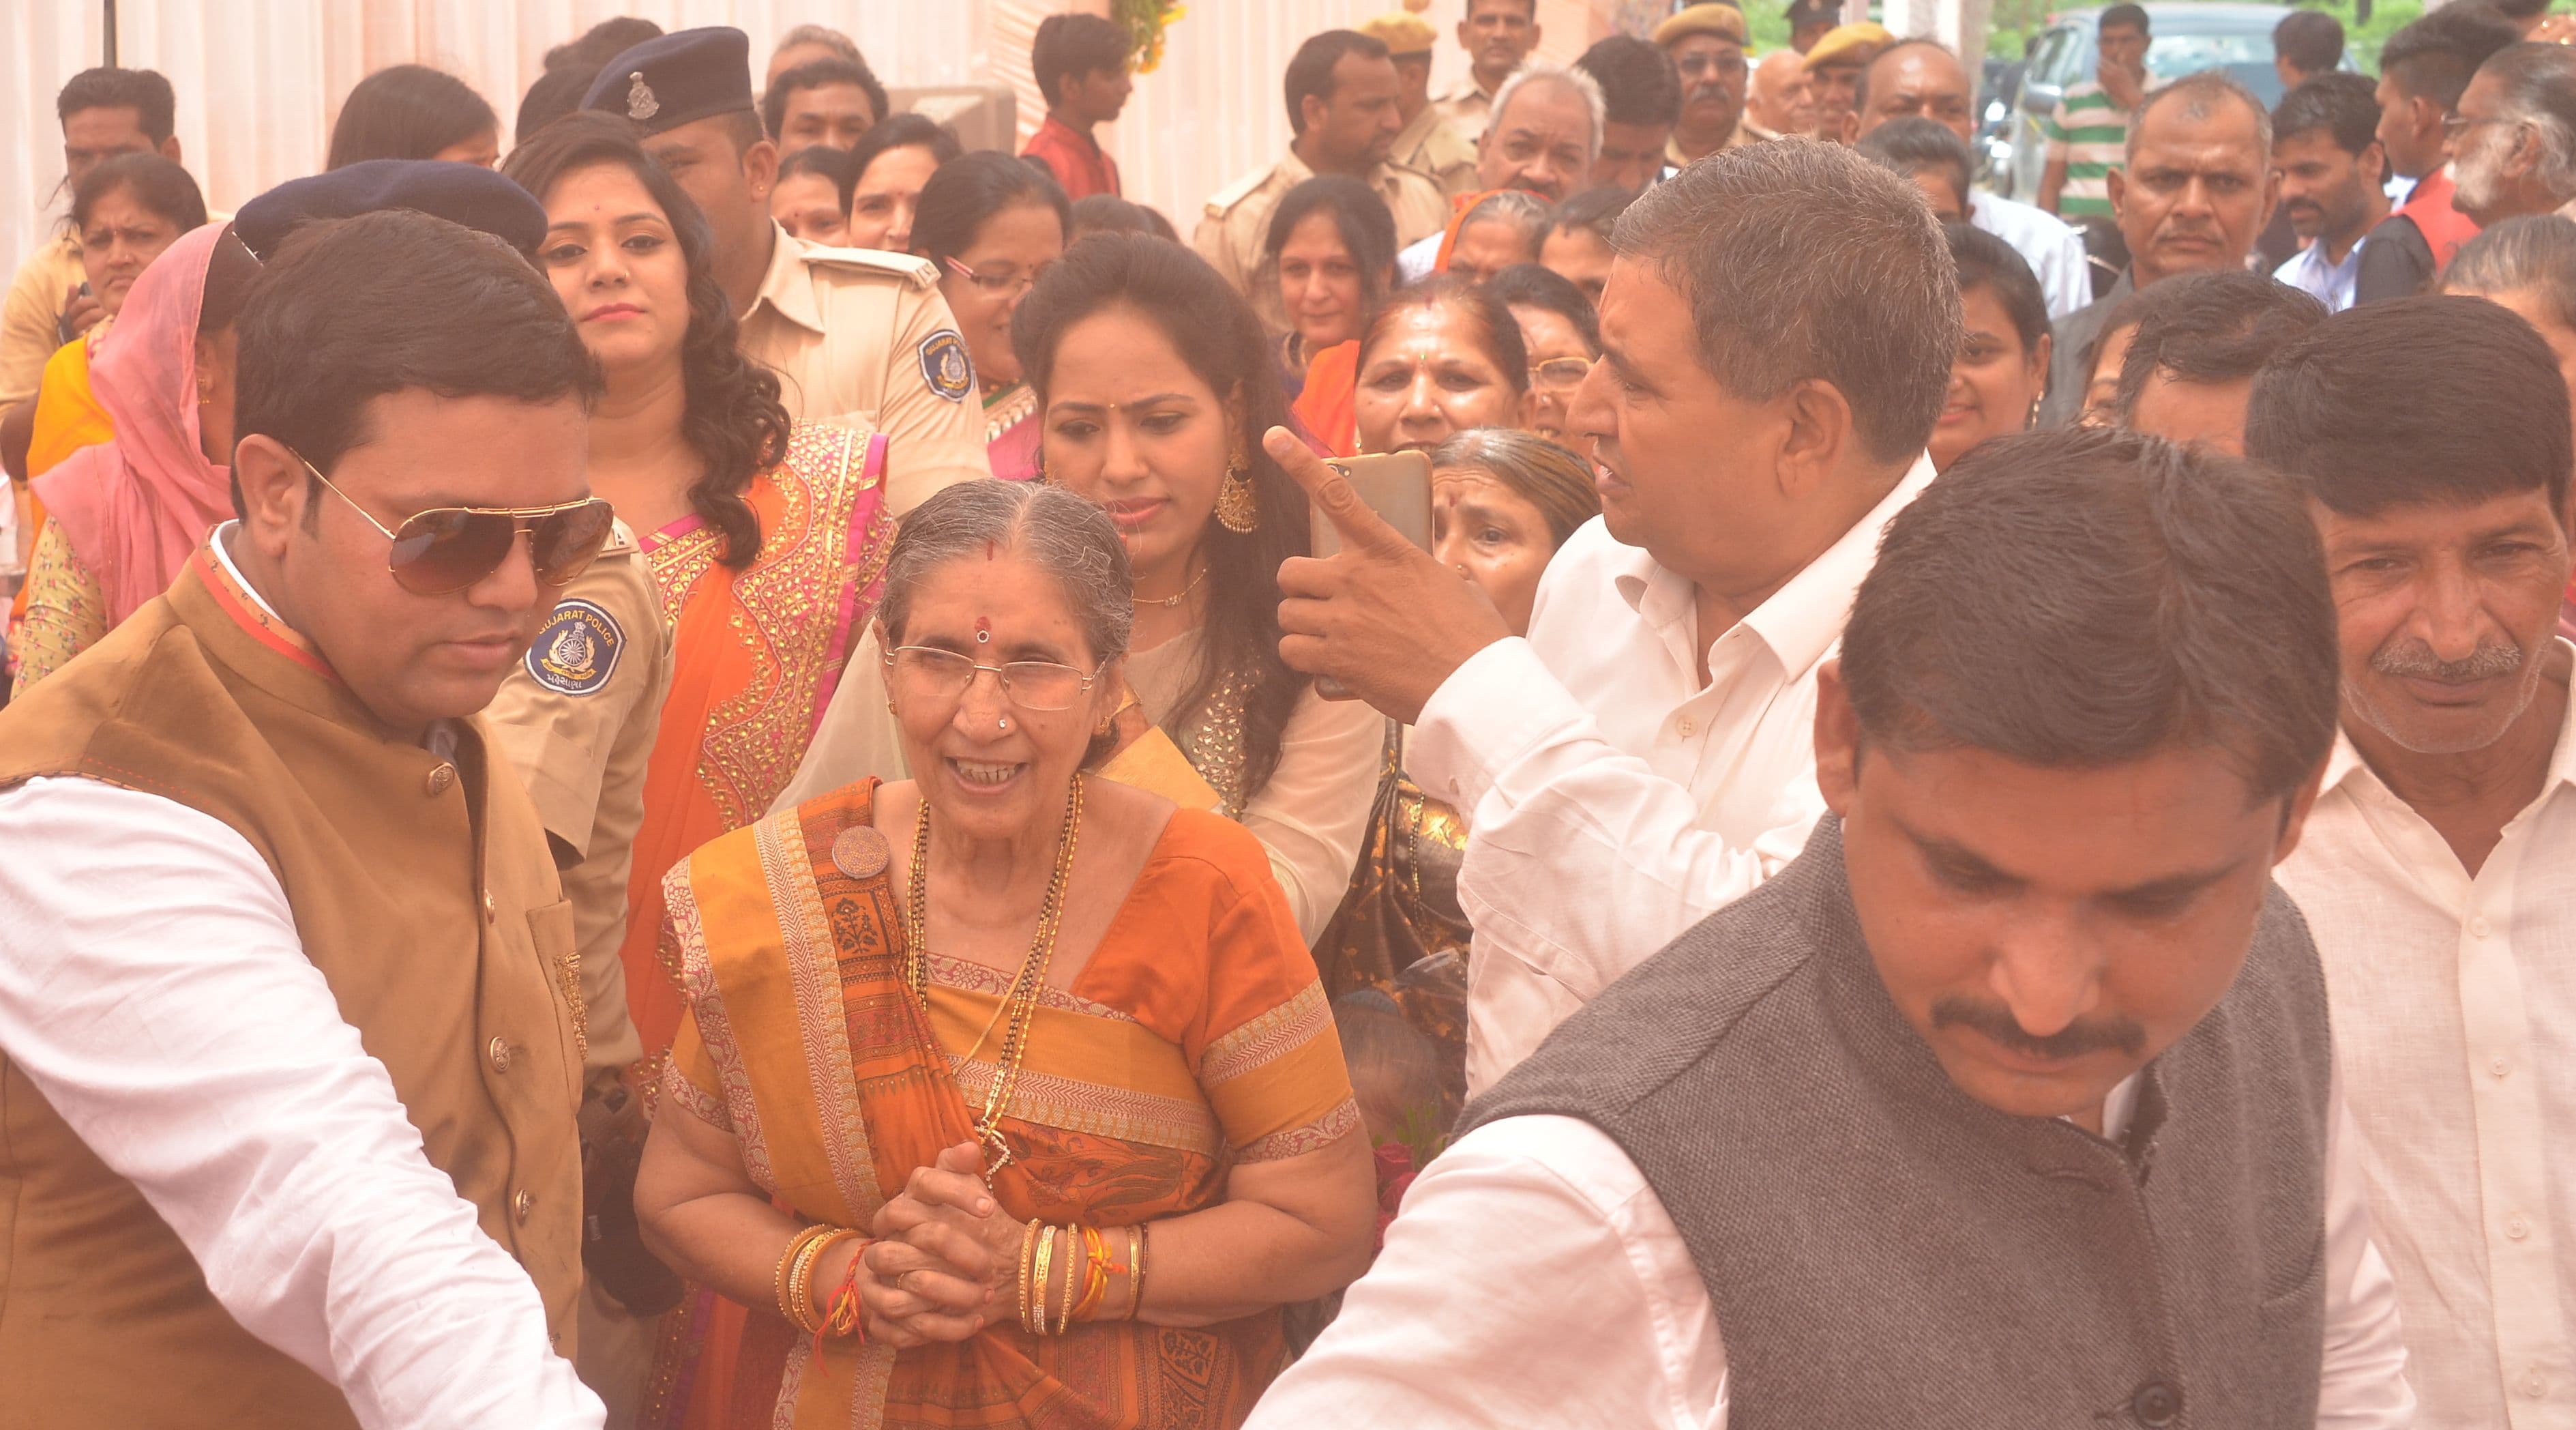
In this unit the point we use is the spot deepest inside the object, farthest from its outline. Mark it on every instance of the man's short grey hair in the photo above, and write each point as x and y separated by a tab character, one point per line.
1060	533
1804	260
2532	253
2200	95
823	35
2537	85
1537	71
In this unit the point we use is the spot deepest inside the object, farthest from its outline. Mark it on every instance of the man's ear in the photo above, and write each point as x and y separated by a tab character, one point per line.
170	149
275	489
2117	183
1837	739
760	168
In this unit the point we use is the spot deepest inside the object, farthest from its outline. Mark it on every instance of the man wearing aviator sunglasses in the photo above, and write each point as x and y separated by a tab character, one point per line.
267	867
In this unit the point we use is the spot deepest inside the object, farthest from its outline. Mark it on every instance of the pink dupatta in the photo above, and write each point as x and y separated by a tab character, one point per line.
134	508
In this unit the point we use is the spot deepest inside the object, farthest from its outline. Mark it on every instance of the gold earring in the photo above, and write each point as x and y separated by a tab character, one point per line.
1235	508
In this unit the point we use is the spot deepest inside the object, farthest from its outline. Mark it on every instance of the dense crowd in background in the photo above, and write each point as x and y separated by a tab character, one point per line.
1921	806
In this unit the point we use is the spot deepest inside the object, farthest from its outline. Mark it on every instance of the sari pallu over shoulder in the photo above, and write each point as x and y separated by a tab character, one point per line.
806	1045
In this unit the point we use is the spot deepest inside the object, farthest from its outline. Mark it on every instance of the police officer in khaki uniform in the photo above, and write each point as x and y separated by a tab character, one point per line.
1428	144
849	331
1342	108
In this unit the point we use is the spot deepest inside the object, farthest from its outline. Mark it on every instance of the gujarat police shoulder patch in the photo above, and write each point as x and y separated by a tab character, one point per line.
945	366
578	649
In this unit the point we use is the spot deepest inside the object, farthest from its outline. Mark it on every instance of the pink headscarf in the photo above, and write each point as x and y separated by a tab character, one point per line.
135	507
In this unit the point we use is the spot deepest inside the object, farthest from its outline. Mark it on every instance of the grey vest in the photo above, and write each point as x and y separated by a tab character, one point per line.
1881	1249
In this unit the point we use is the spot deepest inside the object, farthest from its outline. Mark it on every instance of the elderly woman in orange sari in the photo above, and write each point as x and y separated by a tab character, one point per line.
1009	1095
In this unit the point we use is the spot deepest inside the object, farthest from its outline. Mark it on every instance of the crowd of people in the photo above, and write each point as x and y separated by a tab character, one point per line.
1956	817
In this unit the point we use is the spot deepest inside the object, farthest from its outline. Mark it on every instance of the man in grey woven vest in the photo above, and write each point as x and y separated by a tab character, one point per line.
2010	1102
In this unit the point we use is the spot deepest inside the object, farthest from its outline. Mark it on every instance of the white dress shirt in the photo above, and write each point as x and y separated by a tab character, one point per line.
1614	800
2052	247
2454	1006
1533	1278
153	987
2328	283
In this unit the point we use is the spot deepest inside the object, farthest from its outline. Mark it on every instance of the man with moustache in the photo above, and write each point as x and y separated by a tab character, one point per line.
2513	143
2194	192
291	1029
2334	173
1498	36
1644	755
2009	1103
1544	135
2438	870
1641	99
2423	70
1706	42
1428	143
1923	79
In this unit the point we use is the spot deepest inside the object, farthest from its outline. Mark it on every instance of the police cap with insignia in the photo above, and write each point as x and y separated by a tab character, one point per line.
468	194
677	79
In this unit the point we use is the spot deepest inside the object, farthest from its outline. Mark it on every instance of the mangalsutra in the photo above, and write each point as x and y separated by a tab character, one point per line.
1168	602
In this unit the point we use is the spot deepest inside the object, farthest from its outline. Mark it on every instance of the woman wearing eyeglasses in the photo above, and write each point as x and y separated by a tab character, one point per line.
1069	1124
1561	334
762	542
992	224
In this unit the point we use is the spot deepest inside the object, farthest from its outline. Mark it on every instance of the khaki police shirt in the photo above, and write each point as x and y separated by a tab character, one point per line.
1432	145
577	720
28	335
855	331
1231	233
1468	108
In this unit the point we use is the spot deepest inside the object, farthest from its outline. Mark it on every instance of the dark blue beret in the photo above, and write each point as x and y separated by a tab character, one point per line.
468	194
677	79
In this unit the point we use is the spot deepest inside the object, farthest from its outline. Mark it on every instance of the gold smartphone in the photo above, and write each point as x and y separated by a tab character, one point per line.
1395	485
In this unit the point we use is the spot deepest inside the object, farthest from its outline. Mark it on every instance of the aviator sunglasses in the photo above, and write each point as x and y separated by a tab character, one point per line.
445	549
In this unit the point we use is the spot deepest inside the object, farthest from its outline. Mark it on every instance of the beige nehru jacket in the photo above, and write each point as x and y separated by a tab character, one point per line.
857	331
1231	232
576	719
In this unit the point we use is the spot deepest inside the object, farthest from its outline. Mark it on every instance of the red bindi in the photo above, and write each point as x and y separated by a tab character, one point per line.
983	631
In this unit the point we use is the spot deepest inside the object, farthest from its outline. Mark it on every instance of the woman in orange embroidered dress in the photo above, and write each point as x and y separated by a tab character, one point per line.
1009	1096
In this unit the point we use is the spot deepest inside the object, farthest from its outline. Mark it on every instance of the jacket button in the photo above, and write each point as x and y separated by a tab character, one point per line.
526	1202
441	777
491	911
500	1051
2156	1404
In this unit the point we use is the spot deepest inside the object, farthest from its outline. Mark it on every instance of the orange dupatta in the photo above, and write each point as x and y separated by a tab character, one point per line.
756	654
1329	403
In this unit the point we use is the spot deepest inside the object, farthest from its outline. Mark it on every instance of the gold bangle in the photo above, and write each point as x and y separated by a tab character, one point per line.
1028	1249
1072	1280
1135	1271
787	1263
801	1280
1046	1258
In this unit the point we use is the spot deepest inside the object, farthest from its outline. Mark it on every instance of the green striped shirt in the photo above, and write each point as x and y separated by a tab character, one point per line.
2091	133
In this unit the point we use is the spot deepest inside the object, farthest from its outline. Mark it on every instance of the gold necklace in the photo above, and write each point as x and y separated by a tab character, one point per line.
1020	1000
1167	602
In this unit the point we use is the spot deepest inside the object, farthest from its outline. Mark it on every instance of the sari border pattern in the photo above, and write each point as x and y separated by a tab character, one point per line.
1073	1105
715	1030
1268	1037
1313	1137
703	1105
971	977
814	972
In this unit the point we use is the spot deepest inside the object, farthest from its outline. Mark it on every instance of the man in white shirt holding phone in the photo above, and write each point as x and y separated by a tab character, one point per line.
1645	754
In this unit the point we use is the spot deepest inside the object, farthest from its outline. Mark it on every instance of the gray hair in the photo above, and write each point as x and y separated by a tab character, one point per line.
1521	209
1804	260
823	35
2534	253
1063	535
1535	71
2538	85
2200	95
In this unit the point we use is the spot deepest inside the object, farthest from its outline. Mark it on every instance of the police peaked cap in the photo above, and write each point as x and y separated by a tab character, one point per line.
677	79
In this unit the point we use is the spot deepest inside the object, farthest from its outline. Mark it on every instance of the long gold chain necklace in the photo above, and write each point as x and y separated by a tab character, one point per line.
1021	998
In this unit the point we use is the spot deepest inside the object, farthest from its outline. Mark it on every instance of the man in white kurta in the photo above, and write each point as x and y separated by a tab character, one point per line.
2439	869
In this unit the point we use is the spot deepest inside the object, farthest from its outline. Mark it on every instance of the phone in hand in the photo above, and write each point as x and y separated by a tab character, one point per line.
1395	485
63	330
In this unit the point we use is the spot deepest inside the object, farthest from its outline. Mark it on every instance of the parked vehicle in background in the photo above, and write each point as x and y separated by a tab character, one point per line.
2187	38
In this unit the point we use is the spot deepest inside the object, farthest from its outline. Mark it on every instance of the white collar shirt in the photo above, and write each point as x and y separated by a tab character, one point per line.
2329	283
2454	1004
1614	799
2054	250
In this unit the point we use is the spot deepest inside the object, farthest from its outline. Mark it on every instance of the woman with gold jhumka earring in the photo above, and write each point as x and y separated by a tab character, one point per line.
1008	1095
1154	385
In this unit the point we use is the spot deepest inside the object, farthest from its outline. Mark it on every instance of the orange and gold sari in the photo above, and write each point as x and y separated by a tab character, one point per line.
756	654
1195	1037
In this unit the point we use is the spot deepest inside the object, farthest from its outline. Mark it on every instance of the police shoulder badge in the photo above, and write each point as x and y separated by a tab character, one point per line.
640	101
945	366
578	649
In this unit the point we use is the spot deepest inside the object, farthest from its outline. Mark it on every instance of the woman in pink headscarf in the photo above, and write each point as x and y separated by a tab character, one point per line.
122	516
